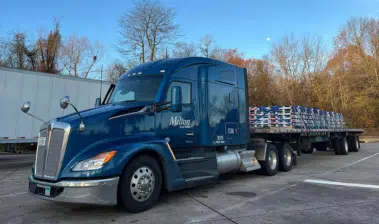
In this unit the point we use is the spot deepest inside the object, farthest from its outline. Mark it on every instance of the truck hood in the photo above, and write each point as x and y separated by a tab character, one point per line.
98	126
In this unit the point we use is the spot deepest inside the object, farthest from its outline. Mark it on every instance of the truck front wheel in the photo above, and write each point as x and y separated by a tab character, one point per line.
270	166
141	184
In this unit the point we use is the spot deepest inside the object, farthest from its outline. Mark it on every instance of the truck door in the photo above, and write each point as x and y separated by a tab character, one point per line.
223	105
180	126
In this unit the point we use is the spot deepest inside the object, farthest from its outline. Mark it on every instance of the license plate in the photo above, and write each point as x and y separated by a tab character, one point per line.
47	189
41	141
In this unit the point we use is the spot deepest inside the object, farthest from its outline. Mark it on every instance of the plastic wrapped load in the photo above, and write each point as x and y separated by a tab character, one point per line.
294	117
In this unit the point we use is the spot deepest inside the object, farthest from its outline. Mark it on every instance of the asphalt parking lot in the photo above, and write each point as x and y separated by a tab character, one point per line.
323	188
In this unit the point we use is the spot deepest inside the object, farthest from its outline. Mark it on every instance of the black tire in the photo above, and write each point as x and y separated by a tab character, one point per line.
285	157
336	146
343	146
265	165
321	146
354	145
125	189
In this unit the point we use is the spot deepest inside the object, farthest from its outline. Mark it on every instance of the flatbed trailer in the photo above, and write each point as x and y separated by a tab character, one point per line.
261	131
305	141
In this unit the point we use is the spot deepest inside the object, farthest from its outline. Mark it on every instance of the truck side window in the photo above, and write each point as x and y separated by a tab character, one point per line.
186	91
228	76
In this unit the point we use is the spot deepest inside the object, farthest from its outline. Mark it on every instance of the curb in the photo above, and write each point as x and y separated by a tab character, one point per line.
369	141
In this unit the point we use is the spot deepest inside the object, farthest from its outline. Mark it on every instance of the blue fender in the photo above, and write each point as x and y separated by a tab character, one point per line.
127	148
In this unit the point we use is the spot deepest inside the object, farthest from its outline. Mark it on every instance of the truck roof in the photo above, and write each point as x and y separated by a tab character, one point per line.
171	64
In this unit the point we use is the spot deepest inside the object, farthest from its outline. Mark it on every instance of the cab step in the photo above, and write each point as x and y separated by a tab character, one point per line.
196	181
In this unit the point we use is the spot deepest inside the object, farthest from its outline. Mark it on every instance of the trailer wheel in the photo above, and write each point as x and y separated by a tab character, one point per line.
343	146
336	146
270	166
354	143
285	157
140	185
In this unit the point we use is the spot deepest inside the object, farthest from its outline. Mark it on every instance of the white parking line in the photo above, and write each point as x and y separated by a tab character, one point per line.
10	195
327	182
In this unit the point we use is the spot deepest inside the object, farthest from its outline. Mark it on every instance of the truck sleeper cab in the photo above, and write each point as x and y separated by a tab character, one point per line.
172	124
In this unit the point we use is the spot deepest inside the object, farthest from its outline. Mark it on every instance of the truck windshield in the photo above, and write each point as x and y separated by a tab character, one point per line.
138	88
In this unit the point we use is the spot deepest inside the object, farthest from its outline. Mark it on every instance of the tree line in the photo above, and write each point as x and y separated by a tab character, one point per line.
302	72
73	56
297	71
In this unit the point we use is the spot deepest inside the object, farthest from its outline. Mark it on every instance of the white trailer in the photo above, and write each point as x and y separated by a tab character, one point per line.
44	91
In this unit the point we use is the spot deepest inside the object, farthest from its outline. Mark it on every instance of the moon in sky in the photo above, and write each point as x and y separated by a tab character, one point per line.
268	38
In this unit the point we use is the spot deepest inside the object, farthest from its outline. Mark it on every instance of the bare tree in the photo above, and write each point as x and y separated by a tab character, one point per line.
183	49
3	53
48	50
144	29
18	49
206	45
114	71
209	49
7	58
15	53
78	56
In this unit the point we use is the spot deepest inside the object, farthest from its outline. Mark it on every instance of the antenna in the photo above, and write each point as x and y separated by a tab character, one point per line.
166	62
165	69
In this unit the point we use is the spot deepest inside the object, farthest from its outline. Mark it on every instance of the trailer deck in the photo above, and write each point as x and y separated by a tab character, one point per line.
304	132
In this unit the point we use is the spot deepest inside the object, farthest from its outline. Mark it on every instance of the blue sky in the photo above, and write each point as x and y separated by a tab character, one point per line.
242	24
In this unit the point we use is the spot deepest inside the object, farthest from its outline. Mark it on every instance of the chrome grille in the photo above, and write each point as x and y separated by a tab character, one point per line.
49	157
40	156
53	154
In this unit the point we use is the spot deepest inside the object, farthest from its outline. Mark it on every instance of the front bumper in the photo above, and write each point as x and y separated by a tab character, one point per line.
98	192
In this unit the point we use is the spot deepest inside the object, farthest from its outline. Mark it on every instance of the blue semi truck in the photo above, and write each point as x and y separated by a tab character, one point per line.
169	124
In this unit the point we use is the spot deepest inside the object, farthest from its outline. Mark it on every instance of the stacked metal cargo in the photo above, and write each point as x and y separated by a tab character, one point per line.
297	118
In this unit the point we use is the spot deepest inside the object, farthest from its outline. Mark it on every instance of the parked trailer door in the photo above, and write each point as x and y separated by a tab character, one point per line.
44	91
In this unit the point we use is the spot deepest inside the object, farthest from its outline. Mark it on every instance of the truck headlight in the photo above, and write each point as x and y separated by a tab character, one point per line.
94	163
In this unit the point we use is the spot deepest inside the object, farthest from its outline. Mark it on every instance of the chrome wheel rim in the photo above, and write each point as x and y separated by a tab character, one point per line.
287	157
142	184
272	160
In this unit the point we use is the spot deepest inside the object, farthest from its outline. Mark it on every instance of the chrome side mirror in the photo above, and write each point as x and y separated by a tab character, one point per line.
65	101
25	107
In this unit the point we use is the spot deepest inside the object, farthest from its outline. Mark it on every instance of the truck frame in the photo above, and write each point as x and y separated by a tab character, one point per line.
169	124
